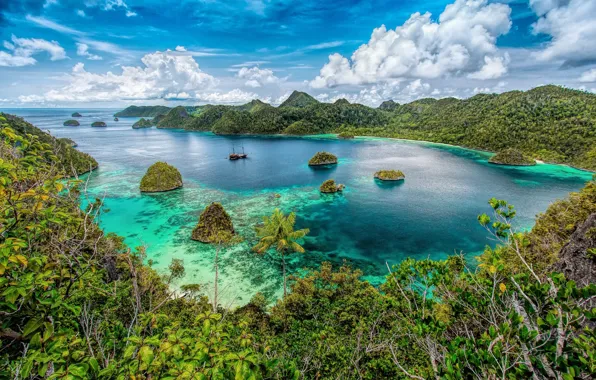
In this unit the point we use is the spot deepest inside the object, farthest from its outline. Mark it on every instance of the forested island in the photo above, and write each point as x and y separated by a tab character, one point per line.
78	303
544	123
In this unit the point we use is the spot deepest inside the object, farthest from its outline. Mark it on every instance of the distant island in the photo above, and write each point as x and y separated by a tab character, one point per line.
541	122
76	114
98	124
142	111
512	157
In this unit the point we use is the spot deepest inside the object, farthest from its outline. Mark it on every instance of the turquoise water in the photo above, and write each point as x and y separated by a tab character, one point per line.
431	214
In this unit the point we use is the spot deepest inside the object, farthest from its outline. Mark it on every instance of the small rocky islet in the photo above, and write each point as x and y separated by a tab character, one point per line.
511	157
329	187
390	175
323	158
71	123
213	222
98	124
160	177
76	114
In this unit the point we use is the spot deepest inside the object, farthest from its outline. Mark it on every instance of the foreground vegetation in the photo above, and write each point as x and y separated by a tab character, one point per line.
77	303
548	123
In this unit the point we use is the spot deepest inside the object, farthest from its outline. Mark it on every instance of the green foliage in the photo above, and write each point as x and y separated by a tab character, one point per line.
143	111
390	175
513	157
278	231
301	127
322	158
70	161
175	118
161	177
215	225
345	135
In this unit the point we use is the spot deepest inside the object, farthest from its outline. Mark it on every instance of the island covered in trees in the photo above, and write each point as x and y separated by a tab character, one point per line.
160	177
512	157
543	123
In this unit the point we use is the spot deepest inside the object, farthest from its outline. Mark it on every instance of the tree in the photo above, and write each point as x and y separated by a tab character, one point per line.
223	239
278	230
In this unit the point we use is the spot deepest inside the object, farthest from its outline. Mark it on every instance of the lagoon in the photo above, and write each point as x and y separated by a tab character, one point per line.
430	214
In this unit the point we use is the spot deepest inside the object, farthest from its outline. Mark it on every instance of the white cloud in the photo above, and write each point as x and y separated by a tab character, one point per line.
376	94
22	50
46	23
494	67
462	41
570	23
235	96
256	77
113	4
163	74
83	50
588	76
81	13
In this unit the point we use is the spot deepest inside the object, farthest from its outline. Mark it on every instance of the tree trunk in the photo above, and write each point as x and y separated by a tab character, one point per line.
283	265
216	279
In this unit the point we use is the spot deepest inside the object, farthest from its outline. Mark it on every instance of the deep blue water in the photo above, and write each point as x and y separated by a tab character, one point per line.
432	213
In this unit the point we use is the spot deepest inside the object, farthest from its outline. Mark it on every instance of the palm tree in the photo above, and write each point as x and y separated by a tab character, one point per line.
278	231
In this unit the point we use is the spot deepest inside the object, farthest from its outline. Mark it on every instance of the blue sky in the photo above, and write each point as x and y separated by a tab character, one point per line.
108	53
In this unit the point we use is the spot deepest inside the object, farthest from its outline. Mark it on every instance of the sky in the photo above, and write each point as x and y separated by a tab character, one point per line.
113	53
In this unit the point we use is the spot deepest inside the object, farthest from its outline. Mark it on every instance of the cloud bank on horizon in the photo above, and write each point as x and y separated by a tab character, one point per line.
115	52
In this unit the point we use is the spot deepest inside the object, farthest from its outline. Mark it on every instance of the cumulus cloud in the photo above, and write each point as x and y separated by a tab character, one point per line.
83	50
233	97
463	40
390	90
21	51
256	77
163	73
570	23
588	76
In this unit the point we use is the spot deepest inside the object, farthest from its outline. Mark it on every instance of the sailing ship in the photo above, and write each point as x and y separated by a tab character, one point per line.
237	156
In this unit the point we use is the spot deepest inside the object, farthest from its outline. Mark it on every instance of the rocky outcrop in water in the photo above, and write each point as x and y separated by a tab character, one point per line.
98	124
71	123
214	220
330	186
322	158
142	123
161	177
390	175
76	114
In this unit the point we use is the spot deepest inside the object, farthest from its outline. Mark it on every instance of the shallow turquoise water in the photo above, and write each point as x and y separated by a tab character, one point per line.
432	214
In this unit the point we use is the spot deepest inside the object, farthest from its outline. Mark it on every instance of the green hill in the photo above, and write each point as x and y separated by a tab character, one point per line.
175	118
142	111
299	99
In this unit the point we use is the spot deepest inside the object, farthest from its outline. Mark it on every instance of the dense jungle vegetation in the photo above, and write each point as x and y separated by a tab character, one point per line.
548	123
76	303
